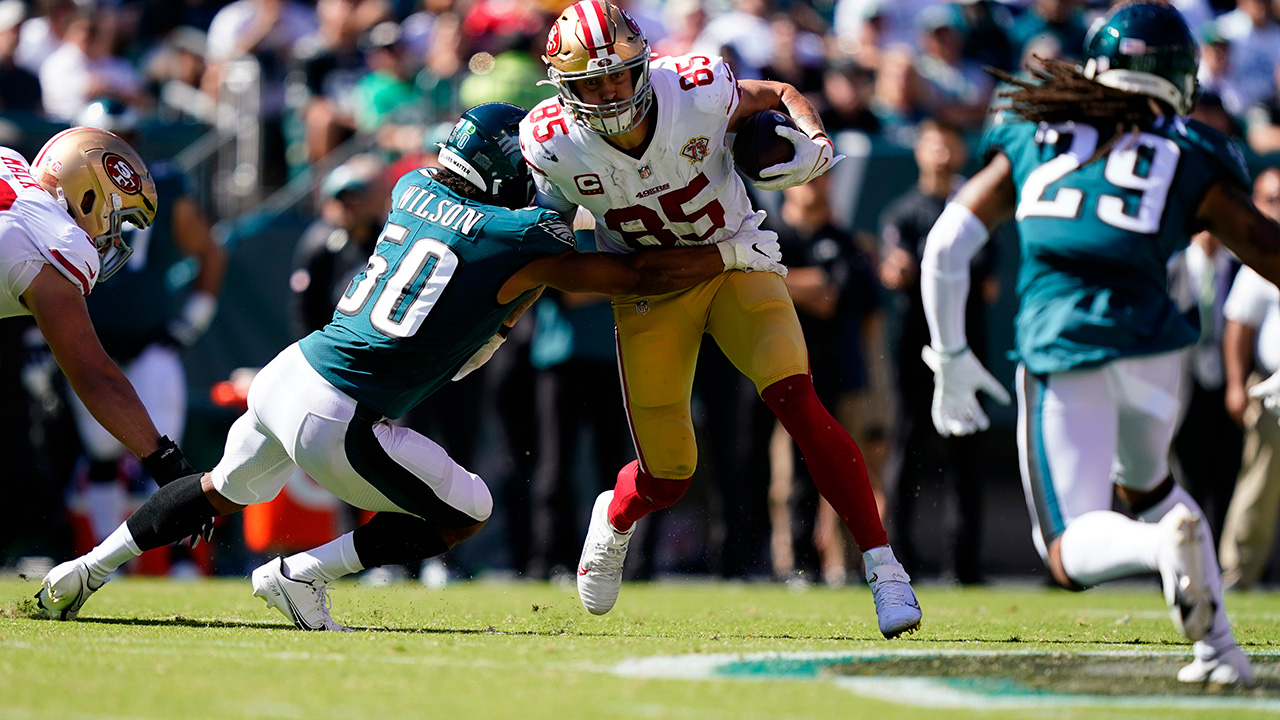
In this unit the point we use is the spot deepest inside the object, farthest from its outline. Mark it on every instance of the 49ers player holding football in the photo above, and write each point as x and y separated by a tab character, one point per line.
640	143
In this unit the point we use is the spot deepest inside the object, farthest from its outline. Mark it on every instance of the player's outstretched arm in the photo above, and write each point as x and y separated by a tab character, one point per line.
63	317
983	203
648	272
1229	213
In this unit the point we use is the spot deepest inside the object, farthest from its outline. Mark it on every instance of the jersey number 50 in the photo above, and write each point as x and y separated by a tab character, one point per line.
411	292
1121	170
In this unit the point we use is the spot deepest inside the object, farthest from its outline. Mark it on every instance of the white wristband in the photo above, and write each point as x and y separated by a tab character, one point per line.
728	253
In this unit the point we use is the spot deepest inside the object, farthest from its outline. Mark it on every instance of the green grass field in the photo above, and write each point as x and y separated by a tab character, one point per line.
708	651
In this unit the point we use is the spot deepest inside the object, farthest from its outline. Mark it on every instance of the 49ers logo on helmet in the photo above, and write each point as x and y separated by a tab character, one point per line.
553	40
122	173
631	22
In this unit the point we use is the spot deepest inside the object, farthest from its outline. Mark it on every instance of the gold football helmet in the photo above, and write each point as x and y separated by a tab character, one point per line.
102	183
593	38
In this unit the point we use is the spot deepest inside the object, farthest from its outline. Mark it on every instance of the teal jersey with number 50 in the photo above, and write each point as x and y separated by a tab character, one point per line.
1096	236
428	298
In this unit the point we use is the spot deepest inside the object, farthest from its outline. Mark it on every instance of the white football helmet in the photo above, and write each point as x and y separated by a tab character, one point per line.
102	183
593	38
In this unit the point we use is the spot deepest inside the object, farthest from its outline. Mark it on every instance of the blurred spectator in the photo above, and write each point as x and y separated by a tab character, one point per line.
512	76
165	317
960	88
918	454
577	398
82	69
1206	447
684	21
901	98
845	103
489	25
892	21
1252	353
269	32
1209	110
745	31
43	32
388	85
1217	74
797	56
1063	19
329	64
833	287
1254	37
985	26
174	70
19	87
353	206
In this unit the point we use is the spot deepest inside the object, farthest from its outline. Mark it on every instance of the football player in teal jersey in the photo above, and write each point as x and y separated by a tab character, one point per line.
1106	178
462	255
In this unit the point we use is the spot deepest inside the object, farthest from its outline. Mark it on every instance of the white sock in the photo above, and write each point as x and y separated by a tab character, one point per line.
1104	545
876	557
325	563
110	554
104	503
1220	637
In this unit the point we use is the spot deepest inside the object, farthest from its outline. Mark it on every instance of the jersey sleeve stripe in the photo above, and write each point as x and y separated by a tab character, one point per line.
74	271
737	92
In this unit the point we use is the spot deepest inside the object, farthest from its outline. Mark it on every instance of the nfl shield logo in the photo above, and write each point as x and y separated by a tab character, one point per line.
645	171
642	307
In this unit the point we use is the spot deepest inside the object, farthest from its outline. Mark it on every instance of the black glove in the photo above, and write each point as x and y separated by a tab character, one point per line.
167	463
205	534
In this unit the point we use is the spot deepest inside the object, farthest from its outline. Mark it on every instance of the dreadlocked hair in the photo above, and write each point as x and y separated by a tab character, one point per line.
1059	92
460	185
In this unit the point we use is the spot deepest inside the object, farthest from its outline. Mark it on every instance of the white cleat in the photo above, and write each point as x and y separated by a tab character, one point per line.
1226	667
64	591
600	569
306	604
1191	603
897	609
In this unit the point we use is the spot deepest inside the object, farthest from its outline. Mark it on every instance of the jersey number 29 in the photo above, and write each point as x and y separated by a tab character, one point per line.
1121	170
410	292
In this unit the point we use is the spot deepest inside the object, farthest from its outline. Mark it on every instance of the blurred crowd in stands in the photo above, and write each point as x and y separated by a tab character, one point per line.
340	97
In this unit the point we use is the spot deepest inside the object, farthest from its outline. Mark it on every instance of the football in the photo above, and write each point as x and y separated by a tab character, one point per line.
757	146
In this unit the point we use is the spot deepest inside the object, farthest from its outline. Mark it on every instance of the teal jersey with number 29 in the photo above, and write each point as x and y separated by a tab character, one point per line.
1096	236
428	298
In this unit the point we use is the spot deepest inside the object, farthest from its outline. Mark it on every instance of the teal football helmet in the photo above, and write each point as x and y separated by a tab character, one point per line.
484	148
1145	48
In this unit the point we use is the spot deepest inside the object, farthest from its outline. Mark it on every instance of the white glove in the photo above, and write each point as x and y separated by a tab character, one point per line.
1268	391
813	157
759	256
957	378
479	357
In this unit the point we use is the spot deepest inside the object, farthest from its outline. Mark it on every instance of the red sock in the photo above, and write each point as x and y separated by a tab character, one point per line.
833	458
638	493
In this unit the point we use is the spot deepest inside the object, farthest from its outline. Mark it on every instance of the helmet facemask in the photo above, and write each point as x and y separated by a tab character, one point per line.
612	118
593	39
102	183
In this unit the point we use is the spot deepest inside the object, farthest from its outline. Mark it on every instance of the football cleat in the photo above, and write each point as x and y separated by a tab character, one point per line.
897	609
64	591
603	553
1191	602
305	603
1229	666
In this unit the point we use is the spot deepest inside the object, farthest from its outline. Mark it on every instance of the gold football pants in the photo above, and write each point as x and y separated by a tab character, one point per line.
752	319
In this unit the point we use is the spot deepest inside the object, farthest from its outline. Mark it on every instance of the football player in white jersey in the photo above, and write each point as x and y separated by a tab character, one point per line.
640	143
60	223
